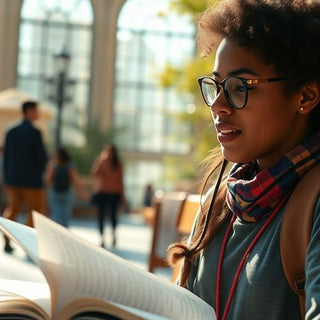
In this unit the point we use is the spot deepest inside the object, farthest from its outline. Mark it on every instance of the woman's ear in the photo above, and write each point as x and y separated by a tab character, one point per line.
310	97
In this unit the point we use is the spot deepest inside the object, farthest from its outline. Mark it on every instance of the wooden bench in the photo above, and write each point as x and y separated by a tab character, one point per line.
191	207
167	209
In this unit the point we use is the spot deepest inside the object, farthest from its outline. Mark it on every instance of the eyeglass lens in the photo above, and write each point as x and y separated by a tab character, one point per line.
235	91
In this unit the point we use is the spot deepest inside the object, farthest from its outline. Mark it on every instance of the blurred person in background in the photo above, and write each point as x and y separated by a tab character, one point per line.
108	189
148	195
3	201
24	163
62	179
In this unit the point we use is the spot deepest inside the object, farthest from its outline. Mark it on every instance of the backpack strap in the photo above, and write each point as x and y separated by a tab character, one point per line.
296	229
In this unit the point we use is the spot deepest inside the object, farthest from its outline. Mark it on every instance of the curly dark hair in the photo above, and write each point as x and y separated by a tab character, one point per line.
286	34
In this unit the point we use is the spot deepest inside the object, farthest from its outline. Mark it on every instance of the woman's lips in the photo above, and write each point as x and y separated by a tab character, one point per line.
226	133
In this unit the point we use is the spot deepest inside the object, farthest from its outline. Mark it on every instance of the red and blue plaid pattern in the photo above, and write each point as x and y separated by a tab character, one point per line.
252	195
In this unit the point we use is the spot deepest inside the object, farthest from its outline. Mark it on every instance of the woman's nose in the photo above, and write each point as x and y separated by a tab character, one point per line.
221	104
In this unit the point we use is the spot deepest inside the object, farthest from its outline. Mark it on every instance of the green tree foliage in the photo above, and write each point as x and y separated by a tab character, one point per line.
184	79
190	7
96	139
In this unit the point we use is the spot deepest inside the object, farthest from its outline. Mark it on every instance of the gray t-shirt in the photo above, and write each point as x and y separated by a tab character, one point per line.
262	291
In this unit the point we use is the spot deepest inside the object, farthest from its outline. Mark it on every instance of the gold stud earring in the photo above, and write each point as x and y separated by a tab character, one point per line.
301	108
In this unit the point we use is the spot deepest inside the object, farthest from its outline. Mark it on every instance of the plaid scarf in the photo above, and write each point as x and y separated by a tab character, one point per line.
252	195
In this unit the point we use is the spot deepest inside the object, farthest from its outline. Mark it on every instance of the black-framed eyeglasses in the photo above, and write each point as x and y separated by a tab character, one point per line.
235	89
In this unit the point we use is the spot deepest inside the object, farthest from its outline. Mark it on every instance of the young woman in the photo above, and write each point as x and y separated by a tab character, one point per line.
109	189
62	178
263	95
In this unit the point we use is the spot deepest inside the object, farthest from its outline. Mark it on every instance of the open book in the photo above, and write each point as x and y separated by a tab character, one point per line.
88	282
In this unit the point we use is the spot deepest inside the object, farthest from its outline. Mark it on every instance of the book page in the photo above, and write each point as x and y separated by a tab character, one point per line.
105	310
26	237
142	313
90	271
26	297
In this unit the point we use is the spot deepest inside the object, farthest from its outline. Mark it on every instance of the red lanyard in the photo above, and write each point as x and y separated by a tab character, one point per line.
244	258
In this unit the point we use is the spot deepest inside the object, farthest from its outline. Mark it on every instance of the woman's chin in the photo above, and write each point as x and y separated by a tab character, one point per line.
235	157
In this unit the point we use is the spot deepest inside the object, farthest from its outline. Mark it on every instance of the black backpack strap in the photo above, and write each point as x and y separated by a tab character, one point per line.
296	229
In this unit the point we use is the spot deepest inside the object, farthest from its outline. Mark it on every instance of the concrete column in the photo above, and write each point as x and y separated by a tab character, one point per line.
103	61
9	33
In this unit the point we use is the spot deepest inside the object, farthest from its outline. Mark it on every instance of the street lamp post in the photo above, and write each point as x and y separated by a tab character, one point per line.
58	88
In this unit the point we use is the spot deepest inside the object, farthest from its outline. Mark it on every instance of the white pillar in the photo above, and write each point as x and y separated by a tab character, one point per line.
103	62
9	32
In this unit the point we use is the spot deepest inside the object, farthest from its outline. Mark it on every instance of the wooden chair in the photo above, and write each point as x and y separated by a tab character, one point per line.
167	210
148	214
184	224
187	214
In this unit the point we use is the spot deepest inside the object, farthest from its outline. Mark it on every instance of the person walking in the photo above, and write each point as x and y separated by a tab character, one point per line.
108	189
148	195
264	99
24	162
62	179
3	201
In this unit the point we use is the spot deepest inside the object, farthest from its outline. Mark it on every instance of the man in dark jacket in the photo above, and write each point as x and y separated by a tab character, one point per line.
24	161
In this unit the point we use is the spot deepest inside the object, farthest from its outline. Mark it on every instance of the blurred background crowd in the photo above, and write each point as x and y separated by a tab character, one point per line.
118	72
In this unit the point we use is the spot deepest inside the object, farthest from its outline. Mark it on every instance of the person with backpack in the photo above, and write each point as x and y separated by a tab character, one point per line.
62	178
264	99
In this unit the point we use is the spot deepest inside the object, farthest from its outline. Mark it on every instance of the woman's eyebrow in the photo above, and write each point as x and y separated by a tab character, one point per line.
237	72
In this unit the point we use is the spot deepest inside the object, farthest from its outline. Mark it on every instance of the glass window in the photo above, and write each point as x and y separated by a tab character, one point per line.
139	174
147	41
144	47
48	27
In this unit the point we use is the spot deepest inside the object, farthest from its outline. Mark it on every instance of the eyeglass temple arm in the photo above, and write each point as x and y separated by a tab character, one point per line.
257	81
